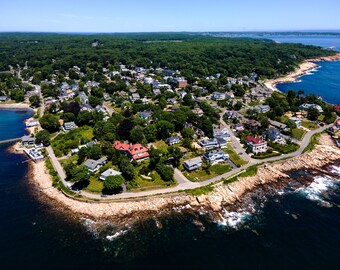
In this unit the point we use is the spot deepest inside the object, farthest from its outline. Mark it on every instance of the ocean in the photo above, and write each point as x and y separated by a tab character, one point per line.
291	227
323	81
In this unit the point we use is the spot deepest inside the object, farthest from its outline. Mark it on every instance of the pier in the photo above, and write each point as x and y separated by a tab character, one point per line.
10	140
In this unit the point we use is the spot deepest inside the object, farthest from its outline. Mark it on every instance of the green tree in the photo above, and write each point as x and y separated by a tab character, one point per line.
18	95
313	114
80	174
126	168
164	129
35	101
43	137
137	134
95	152
113	182
187	133
176	154
150	133
50	122
82	154
166	172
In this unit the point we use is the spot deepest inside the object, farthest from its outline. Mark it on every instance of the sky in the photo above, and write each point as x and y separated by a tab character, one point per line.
167	16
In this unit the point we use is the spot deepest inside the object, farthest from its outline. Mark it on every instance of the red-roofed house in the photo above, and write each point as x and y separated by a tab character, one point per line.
337	107
256	144
135	152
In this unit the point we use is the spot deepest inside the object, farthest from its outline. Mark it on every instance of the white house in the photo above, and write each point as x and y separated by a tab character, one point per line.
216	156
193	164
109	172
218	96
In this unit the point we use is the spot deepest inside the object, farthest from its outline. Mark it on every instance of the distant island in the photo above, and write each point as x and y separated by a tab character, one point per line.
161	119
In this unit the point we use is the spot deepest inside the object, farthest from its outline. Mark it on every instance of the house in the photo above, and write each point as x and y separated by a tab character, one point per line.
256	144
308	106
134	97
231	115
146	115
156	92
109	172
296	120
215	156
32	123
99	108
262	108
278	125
173	140
137	152
94	165
168	72
238	127
246	100
69	126
193	164
27	140
179	82
274	135
83	98
3	98
218	96
337	108
209	143
34	154
182	94
221	132
198	112
172	101
253	124
222	142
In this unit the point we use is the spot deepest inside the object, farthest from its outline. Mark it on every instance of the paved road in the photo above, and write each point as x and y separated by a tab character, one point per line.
56	165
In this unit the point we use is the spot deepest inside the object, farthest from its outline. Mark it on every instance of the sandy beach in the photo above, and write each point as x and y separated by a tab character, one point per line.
15	106
323	154
300	71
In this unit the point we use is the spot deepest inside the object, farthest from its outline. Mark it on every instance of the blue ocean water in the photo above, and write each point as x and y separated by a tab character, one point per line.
324	81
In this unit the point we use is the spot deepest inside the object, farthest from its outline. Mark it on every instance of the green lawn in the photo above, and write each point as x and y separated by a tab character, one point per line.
234	157
202	175
309	125
200	191
298	133
284	149
140	183
95	186
161	145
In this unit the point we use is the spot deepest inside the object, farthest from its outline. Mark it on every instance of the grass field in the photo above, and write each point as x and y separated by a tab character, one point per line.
234	157
298	133
309	125
201	175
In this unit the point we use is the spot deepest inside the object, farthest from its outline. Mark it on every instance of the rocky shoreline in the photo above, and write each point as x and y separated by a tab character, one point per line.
223	195
306	66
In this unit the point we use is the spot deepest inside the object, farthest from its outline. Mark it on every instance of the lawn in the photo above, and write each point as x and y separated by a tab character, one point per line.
309	125
284	149
95	186
140	183
161	145
298	133
234	157
202	175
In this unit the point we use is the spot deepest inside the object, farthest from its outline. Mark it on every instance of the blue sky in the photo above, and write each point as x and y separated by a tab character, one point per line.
174	15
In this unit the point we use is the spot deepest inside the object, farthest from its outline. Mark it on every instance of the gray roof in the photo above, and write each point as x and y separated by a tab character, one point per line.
193	161
110	172
27	139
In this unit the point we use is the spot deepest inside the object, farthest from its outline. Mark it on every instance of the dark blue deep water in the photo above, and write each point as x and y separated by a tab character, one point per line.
294	230
325	81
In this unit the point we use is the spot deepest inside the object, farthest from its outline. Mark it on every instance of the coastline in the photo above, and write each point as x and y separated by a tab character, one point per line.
324	153
303	68
16	106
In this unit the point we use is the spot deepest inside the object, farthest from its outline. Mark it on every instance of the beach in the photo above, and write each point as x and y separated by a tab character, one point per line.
324	153
303	68
15	106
